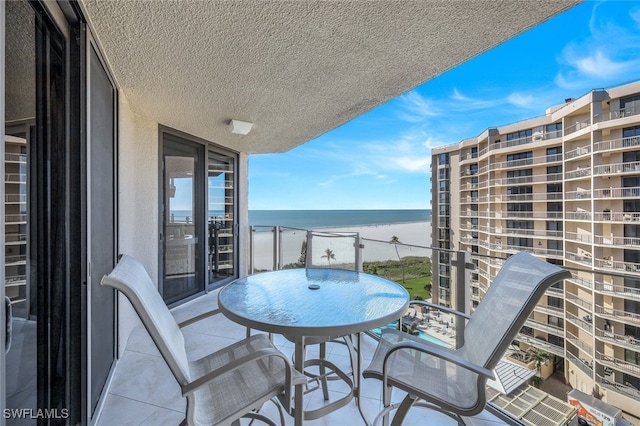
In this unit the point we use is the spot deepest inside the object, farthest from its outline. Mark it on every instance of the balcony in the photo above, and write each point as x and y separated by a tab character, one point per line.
542	344
617	168
613	144
626	342
583	365
616	114
618	315
618	364
143	391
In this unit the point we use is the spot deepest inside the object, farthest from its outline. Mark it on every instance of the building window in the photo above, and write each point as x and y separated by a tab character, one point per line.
629	132
520	241
555	321
520	207
443	159
443	174
554	207
554	226
630	157
551	170
521	134
554	244
515	190
553	131
519	173
519	224
630	104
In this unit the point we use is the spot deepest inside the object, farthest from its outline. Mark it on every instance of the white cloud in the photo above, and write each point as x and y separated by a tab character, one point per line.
415	108
610	52
518	99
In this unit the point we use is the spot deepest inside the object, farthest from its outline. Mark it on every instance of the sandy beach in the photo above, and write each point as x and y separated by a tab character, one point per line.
415	238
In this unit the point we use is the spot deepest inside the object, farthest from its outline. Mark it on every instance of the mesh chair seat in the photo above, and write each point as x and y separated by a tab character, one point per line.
218	400
422	375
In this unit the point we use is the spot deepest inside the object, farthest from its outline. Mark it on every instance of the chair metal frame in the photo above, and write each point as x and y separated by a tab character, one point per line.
418	351
256	352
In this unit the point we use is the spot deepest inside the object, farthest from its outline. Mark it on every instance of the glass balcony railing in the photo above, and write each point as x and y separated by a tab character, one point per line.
591	331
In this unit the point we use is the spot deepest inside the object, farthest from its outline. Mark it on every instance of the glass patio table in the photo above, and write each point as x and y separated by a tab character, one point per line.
314	303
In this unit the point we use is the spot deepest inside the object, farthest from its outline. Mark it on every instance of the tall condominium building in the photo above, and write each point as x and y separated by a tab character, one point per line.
566	187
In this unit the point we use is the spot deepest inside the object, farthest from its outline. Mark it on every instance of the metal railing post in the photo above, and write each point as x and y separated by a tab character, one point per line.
358	246
252	249
308	261
276	248
462	264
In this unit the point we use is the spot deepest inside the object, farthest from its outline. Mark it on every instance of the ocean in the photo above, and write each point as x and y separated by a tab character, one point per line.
308	219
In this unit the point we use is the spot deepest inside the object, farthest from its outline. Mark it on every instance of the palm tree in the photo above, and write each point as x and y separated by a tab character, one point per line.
540	358
328	255
395	241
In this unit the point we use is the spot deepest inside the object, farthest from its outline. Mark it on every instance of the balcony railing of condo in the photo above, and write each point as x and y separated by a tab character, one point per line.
617	241
617	216
617	168
574	236
577	152
618	364
578	125
617	265
547	328
579	322
542	344
573	298
618	387
627	342
618	290
582	364
625	192
579	343
578	173
617	314
617	113
583	282
611	144
549	310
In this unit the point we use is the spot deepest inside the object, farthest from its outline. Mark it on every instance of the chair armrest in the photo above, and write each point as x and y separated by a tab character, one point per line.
291	379
441	308
197	318
438	352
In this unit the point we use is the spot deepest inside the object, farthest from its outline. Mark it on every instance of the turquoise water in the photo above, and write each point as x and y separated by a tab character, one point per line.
305	219
421	334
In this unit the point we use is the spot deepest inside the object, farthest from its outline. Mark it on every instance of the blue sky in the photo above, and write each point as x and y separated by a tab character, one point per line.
382	159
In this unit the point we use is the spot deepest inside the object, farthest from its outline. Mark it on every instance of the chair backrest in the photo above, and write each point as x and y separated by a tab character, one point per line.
130	278
511	297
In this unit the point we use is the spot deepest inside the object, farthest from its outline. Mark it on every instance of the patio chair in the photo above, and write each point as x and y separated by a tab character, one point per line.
453	380
221	387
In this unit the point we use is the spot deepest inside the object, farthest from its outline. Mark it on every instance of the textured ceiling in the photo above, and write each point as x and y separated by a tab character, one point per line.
296	69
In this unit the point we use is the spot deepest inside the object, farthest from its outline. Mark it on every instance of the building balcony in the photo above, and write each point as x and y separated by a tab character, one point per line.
608	193
578	125
617	266
547	328
143	390
582	282
570	297
618	364
629	391
621	217
620	242
616	114
541	344
584	172
583	365
583	323
617	168
627	342
581	151
616	144
618	315
618	290
580	344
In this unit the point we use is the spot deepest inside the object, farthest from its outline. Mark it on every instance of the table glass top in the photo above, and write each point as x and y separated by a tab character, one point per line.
282	301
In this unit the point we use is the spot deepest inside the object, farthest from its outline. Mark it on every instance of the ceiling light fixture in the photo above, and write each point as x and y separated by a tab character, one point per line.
240	127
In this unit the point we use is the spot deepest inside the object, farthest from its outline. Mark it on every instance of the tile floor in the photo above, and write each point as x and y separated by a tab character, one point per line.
143	391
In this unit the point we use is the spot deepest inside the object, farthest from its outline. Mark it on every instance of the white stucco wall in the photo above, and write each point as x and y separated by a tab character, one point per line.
137	202
138	209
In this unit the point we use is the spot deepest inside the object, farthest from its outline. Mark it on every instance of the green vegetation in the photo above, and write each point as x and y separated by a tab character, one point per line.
415	270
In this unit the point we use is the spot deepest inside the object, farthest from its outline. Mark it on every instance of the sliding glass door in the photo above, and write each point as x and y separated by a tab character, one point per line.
198	232
183	218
